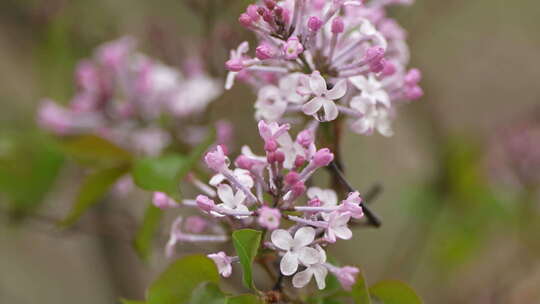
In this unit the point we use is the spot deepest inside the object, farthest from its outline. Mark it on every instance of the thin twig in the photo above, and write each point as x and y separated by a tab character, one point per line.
372	218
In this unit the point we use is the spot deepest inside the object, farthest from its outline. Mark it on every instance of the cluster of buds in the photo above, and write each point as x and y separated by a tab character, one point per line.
271	193
122	95
326	58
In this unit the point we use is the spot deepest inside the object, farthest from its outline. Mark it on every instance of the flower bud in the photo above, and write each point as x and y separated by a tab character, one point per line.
245	20
323	157
338	26
298	189
374	54
299	161
279	157
234	65
314	23
216	160
270	4
389	69
413	77
264	51
251	11
244	162
305	138
204	203
414	93
195	224
270	145
162	201
292	178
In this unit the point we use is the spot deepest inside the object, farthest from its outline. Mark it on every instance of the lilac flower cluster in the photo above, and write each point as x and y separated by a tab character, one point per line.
123	95
270	192
326	59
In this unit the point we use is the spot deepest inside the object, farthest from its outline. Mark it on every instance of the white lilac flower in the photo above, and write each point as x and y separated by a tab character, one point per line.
230	200
242	175
316	269
270	105
371	90
296	249
372	117
337	227
324	99
223	263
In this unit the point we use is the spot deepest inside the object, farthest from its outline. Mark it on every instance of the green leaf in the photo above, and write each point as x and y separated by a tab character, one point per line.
92	190
207	293
394	292
244	299
360	291
246	242
147	231
161	173
95	148
175	285
29	165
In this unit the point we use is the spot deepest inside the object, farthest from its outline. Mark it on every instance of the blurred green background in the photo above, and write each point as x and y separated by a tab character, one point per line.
449	230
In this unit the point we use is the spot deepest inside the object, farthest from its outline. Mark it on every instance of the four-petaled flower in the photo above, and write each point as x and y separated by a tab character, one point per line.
316	269
337	227
297	250
231	201
223	263
324	98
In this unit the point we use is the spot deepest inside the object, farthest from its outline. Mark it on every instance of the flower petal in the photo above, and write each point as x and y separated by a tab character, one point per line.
226	195
317	84
343	232
309	256
338	90
330	110
302	278
289	263
303	237
282	239
360	82
312	106
320	272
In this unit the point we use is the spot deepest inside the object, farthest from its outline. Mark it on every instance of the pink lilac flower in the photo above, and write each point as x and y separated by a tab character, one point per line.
269	218
163	201
223	263
327	44
315	269
346	275
122	95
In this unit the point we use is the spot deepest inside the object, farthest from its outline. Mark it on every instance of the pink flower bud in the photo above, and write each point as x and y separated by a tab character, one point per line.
374	54
305	138
314	23
244	162
270	145
293	48
323	157
252	12
338	26
299	161
413	77
414	93
265	51
270	4
389	69
217	160
245	20
378	66
292	178
162	201
269	217
279	157
298	189
204	203
195	224
347	276
234	65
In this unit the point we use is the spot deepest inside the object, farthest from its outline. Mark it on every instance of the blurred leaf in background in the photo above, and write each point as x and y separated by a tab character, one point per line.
29	165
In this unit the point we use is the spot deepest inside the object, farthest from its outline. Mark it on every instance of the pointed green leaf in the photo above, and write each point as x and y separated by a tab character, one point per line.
147	231
360	291
92	190
246	242
95	148
207	293
161	173
177	282
394	292
244	299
